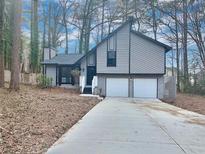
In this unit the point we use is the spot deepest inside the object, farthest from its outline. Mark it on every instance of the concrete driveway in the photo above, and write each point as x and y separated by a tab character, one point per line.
134	126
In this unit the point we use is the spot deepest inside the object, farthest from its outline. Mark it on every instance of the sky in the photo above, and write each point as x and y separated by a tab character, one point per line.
73	34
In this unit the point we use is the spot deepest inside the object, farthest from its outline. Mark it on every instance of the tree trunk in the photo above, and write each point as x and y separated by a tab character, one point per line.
84	30
81	40
185	54
49	29
66	37
44	33
34	36
136	16
36	43
154	20
16	44
103	15
177	47
2	4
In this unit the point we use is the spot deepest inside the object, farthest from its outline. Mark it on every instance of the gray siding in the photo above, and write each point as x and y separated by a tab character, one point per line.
51	72
146	57
122	51
102	83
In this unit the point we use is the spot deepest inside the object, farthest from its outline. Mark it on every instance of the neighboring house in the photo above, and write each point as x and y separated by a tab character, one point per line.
200	76
126	63
170	72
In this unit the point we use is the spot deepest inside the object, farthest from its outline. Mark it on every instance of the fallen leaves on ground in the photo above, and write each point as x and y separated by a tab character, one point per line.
189	102
32	119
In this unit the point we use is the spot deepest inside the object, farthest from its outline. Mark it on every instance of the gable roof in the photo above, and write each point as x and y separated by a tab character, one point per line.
63	59
129	21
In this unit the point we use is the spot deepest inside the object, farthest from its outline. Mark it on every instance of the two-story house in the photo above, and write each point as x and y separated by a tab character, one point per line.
126	63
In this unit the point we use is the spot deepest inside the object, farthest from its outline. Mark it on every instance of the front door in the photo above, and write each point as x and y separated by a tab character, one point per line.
91	71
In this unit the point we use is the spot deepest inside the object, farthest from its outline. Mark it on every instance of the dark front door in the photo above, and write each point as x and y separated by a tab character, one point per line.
91	71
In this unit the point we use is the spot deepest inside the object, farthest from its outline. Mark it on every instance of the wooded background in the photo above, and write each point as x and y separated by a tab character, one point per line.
55	23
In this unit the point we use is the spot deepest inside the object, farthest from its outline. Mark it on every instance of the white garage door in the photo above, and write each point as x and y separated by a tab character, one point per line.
117	87
145	88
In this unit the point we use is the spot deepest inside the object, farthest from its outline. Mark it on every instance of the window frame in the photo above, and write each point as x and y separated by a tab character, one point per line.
111	64
114	49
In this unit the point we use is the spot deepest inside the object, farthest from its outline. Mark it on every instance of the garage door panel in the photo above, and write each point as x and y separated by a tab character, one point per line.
117	87
145	88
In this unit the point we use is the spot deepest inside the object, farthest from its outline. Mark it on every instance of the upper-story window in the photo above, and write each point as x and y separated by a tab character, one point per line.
111	52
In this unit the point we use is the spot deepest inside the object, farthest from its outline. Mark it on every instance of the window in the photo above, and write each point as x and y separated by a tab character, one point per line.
111	51
111	58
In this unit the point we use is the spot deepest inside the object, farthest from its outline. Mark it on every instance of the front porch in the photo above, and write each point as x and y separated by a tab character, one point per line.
70	71
70	77
66	76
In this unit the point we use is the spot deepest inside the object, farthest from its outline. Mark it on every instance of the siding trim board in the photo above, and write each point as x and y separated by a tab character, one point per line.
131	75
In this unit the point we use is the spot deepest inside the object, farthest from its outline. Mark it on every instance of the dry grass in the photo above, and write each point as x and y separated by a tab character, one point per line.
32	119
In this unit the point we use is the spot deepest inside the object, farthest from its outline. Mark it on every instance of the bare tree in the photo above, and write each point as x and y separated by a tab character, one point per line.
154	26
177	45
195	28
65	7
103	17
49	27
16	44
34	36
2	4
45	20
184	42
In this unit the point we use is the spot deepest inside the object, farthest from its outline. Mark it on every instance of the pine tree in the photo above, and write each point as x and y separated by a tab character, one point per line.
2	4
34	36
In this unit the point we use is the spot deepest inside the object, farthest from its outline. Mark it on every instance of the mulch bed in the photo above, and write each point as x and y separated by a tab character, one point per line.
32	119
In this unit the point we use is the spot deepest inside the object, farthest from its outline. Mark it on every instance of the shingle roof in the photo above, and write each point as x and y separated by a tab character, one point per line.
63	59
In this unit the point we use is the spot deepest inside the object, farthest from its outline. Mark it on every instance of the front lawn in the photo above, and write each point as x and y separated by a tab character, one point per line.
32	119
